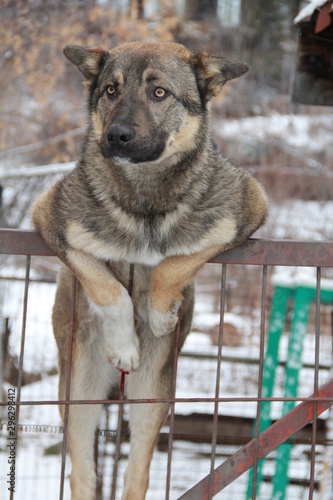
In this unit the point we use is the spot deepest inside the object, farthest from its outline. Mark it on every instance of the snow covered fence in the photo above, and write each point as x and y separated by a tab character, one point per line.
54	169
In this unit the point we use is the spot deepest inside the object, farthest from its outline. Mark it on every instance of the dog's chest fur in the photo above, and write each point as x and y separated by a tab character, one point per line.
149	240
137	241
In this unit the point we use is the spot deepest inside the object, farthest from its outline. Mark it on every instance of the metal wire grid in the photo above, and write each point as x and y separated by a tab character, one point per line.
255	252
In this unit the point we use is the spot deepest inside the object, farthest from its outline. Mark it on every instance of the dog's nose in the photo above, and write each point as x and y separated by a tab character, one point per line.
120	135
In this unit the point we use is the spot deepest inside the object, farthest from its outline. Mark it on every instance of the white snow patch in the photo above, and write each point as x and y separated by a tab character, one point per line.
40	352
313	133
308	10
299	220
293	277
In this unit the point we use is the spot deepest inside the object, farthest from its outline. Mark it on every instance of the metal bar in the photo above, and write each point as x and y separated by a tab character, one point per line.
227	358
269	440
254	251
118	439
279	253
315	389
32	280
17	242
172	408
121	407
234	399
260	379
99	455
68	390
218	377
20	371
24	323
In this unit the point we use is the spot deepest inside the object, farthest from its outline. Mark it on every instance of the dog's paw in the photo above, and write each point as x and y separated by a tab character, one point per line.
162	323
123	355
121	341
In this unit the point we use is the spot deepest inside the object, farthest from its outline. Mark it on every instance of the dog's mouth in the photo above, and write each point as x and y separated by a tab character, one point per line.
131	154
123	160
131	159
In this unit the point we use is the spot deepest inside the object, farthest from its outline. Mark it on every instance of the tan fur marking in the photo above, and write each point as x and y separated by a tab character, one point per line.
154	73
82	239
184	139
173	274
256	203
95	277
97	125
170	277
119	77
222	233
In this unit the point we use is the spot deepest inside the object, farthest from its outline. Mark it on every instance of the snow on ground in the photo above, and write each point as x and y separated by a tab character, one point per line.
312	133
40	348
299	220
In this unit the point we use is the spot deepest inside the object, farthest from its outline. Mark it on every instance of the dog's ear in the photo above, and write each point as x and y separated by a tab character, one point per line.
88	61
213	72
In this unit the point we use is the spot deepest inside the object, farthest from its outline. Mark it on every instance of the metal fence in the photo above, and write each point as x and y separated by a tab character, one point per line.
262	253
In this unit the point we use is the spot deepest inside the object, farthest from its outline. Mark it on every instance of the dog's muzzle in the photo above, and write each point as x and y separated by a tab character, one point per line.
118	142
119	137
121	142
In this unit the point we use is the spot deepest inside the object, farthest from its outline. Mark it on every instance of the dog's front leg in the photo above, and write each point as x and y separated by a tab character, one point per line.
111	302
168	280
108	298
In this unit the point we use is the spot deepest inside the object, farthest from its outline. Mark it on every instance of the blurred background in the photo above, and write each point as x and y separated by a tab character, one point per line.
259	121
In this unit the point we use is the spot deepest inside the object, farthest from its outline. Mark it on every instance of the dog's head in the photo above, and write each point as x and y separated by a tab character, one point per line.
148	102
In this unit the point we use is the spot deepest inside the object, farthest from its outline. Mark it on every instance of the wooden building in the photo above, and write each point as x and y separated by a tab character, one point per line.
314	73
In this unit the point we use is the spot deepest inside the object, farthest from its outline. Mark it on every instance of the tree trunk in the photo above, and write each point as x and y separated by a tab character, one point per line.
200	10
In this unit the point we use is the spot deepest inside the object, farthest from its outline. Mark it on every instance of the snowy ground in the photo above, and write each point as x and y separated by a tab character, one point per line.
309	133
300	220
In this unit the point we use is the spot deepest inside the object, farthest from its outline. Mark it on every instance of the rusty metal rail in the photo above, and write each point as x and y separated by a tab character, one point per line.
261	253
253	252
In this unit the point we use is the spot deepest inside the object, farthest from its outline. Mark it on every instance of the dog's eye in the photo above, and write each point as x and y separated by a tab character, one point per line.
159	93
111	90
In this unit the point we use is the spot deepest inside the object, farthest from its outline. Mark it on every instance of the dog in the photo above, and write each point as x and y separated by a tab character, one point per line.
150	188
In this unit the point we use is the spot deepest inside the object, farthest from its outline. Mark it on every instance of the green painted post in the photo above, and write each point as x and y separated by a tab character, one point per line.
281	297
294	364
